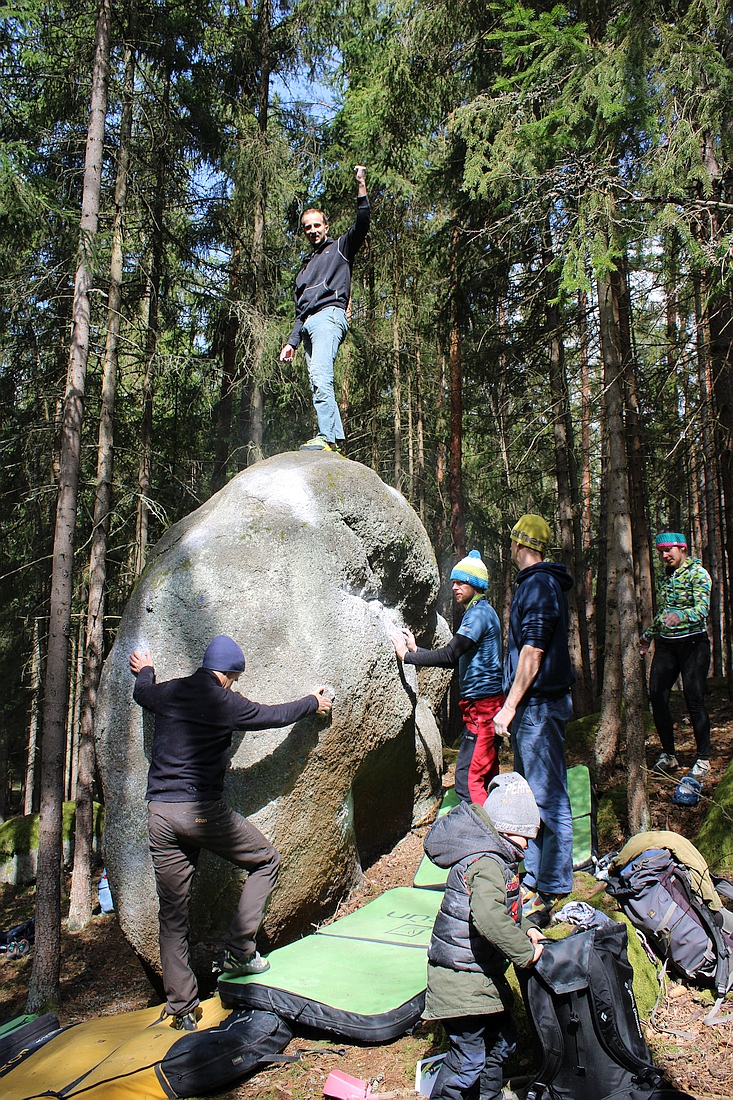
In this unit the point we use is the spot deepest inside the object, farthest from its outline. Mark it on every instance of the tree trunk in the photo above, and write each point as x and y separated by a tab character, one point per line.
257	404
29	787
230	332
457	512
610	725
638	489
585	488
567	486
602	582
81	897
145	466
396	373
712	557
720	322
420	427
721	354
44	981
72	762
440	457
621	554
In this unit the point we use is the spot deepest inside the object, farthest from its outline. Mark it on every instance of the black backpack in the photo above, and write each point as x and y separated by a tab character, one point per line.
655	891
581	1005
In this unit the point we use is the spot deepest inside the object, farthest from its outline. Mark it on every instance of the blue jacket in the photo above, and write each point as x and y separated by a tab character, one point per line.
539	617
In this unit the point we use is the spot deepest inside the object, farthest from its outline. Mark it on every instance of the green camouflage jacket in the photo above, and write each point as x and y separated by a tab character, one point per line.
686	591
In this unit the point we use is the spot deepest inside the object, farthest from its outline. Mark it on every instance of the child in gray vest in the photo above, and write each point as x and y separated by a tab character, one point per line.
477	934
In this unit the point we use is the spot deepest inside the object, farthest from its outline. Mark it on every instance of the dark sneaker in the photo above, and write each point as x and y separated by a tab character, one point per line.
234	967
666	763
537	907
318	443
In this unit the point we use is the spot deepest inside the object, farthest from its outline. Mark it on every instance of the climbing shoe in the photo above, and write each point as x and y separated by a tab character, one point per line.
666	763
187	1021
318	443
233	967
184	1021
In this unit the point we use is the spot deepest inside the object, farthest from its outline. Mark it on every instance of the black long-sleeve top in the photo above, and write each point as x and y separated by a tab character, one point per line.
325	278
194	720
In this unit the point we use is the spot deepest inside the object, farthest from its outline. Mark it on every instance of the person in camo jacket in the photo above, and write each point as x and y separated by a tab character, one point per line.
681	647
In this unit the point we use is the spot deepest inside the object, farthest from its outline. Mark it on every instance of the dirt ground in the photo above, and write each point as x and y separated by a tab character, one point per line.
698	1059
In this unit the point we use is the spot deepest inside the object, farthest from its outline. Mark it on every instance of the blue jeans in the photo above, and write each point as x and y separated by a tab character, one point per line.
478	1046
538	737
322	335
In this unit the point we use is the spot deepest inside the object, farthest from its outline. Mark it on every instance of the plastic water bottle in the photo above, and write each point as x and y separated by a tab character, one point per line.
105	895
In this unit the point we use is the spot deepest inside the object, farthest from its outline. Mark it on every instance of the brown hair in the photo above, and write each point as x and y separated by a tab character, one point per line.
314	210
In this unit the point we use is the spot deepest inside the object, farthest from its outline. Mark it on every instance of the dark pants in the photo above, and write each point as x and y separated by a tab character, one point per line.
690	658
478	1047
177	833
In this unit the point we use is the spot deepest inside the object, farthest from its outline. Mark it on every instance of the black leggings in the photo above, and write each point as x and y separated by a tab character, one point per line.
689	657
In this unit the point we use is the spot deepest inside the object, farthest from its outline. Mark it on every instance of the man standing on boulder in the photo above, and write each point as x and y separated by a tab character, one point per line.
322	291
538	676
476	650
194	720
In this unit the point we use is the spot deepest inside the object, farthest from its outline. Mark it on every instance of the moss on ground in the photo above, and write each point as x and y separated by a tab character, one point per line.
19	835
580	735
612	810
715	839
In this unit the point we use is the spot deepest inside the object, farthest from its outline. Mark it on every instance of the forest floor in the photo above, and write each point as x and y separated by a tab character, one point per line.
700	1063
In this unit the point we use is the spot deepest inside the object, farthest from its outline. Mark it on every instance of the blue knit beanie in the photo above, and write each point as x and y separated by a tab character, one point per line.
471	570
223	655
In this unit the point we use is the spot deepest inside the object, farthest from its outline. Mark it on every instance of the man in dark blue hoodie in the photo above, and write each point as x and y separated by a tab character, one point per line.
538	676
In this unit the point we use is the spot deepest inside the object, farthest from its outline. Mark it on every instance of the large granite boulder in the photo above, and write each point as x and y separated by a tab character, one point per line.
309	561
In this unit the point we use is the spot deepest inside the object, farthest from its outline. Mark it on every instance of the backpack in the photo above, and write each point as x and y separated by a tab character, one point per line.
581	1005
663	898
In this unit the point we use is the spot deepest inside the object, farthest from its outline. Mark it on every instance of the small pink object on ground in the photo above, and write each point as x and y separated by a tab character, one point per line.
341	1086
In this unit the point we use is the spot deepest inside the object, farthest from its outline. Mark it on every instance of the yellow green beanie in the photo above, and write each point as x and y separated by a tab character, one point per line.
532	531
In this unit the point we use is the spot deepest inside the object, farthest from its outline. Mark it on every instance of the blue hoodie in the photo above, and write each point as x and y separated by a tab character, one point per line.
539	617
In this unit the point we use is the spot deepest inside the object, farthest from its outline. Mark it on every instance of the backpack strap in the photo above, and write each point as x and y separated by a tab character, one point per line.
611	997
723	887
549	1034
723	978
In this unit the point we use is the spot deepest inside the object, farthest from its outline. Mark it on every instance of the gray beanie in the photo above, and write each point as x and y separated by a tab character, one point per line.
511	806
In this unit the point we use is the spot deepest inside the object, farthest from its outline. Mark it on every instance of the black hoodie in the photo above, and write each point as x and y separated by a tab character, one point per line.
539	617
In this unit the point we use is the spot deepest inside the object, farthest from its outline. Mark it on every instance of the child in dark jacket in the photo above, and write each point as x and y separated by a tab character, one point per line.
477	934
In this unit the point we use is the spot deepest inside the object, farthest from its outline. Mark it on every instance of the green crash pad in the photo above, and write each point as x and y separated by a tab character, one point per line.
428	876
362	977
582	808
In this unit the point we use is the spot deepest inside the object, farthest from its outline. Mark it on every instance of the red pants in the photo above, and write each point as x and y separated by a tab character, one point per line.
478	759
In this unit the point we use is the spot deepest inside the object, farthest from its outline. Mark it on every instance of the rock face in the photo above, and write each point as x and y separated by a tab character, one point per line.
308	561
